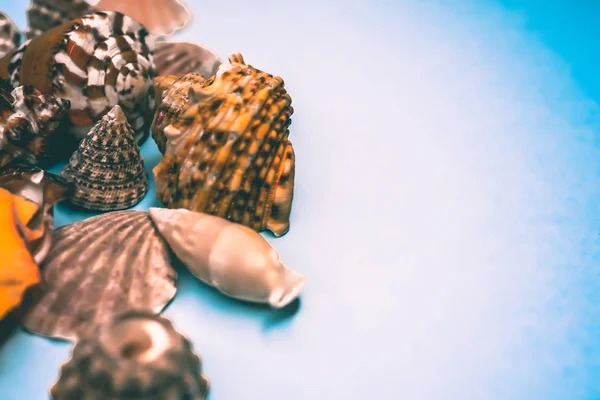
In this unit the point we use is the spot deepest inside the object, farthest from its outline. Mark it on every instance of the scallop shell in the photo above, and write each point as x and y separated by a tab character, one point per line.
137	355
180	58
10	36
161	17
108	167
97	268
96	62
43	15
28	122
228	154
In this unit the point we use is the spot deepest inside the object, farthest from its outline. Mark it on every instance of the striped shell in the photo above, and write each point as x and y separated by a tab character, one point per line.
97	268
228	153
28	122
43	15
10	36
108	168
180	58
96	62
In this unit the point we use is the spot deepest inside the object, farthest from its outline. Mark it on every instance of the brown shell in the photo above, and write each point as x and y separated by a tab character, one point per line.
228	153
96	62
180	58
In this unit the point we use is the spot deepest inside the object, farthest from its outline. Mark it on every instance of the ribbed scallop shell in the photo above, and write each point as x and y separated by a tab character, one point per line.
180	58
97	268
160	17
96	62
228	154
108	168
43	15
10	36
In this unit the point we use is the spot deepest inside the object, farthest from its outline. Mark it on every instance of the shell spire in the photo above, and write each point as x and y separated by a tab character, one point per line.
108	167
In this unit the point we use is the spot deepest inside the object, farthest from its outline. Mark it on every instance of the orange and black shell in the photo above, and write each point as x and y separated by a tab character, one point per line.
228	153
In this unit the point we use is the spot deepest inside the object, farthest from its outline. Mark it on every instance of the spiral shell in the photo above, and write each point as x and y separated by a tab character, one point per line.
108	168
137	355
180	58
96	62
97	268
10	36
227	153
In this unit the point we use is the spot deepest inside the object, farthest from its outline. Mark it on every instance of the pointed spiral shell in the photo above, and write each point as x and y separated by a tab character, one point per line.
96	62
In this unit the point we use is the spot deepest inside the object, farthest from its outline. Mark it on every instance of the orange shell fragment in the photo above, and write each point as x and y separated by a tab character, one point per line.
18	271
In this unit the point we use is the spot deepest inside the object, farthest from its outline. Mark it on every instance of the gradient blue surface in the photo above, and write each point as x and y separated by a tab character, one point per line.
446	208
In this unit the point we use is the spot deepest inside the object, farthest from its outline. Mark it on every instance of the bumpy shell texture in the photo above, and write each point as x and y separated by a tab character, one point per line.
43	15
228	154
28	122
136	356
98	268
160	17
10	36
96	62
180	58
108	167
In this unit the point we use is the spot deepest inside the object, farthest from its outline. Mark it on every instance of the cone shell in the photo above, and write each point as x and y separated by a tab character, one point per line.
108	168
43	15
28	122
96	62
10	36
161	17
98	268
137	355
231	257
228	153
180	58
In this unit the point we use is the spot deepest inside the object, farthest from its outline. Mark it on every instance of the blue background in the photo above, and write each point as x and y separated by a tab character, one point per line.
445	214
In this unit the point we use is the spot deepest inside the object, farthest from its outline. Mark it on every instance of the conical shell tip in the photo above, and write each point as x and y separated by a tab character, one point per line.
117	114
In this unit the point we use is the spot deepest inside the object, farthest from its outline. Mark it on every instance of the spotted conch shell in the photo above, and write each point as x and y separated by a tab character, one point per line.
227	151
160	17
96	62
233	258
10	36
28	122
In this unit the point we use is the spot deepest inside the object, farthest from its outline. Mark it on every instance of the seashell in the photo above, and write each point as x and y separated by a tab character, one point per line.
18	270
43	15
96	62
28	122
10	36
228	154
42	188
108	167
97	268
180	58
231	257
163	17
137	355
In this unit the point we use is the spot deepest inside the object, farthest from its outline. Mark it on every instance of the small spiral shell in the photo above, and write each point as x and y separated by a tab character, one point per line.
10	36
96	62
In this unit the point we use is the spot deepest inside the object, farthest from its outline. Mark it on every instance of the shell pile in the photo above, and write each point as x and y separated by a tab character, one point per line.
28	121
100	267
10	37
96	62
228	153
108	168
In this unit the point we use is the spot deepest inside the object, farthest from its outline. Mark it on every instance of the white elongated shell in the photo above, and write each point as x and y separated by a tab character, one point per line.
231	257
160	17
98	268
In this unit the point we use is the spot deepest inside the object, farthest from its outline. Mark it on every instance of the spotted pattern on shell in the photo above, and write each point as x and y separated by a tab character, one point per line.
97	268
180	58
96	62
43	15
10	36
228	154
108	168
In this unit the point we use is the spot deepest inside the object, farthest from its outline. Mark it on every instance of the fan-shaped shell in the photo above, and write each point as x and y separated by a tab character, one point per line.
228	153
96	62
108	168
43	15
10	36
161	17
180	58
97	268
